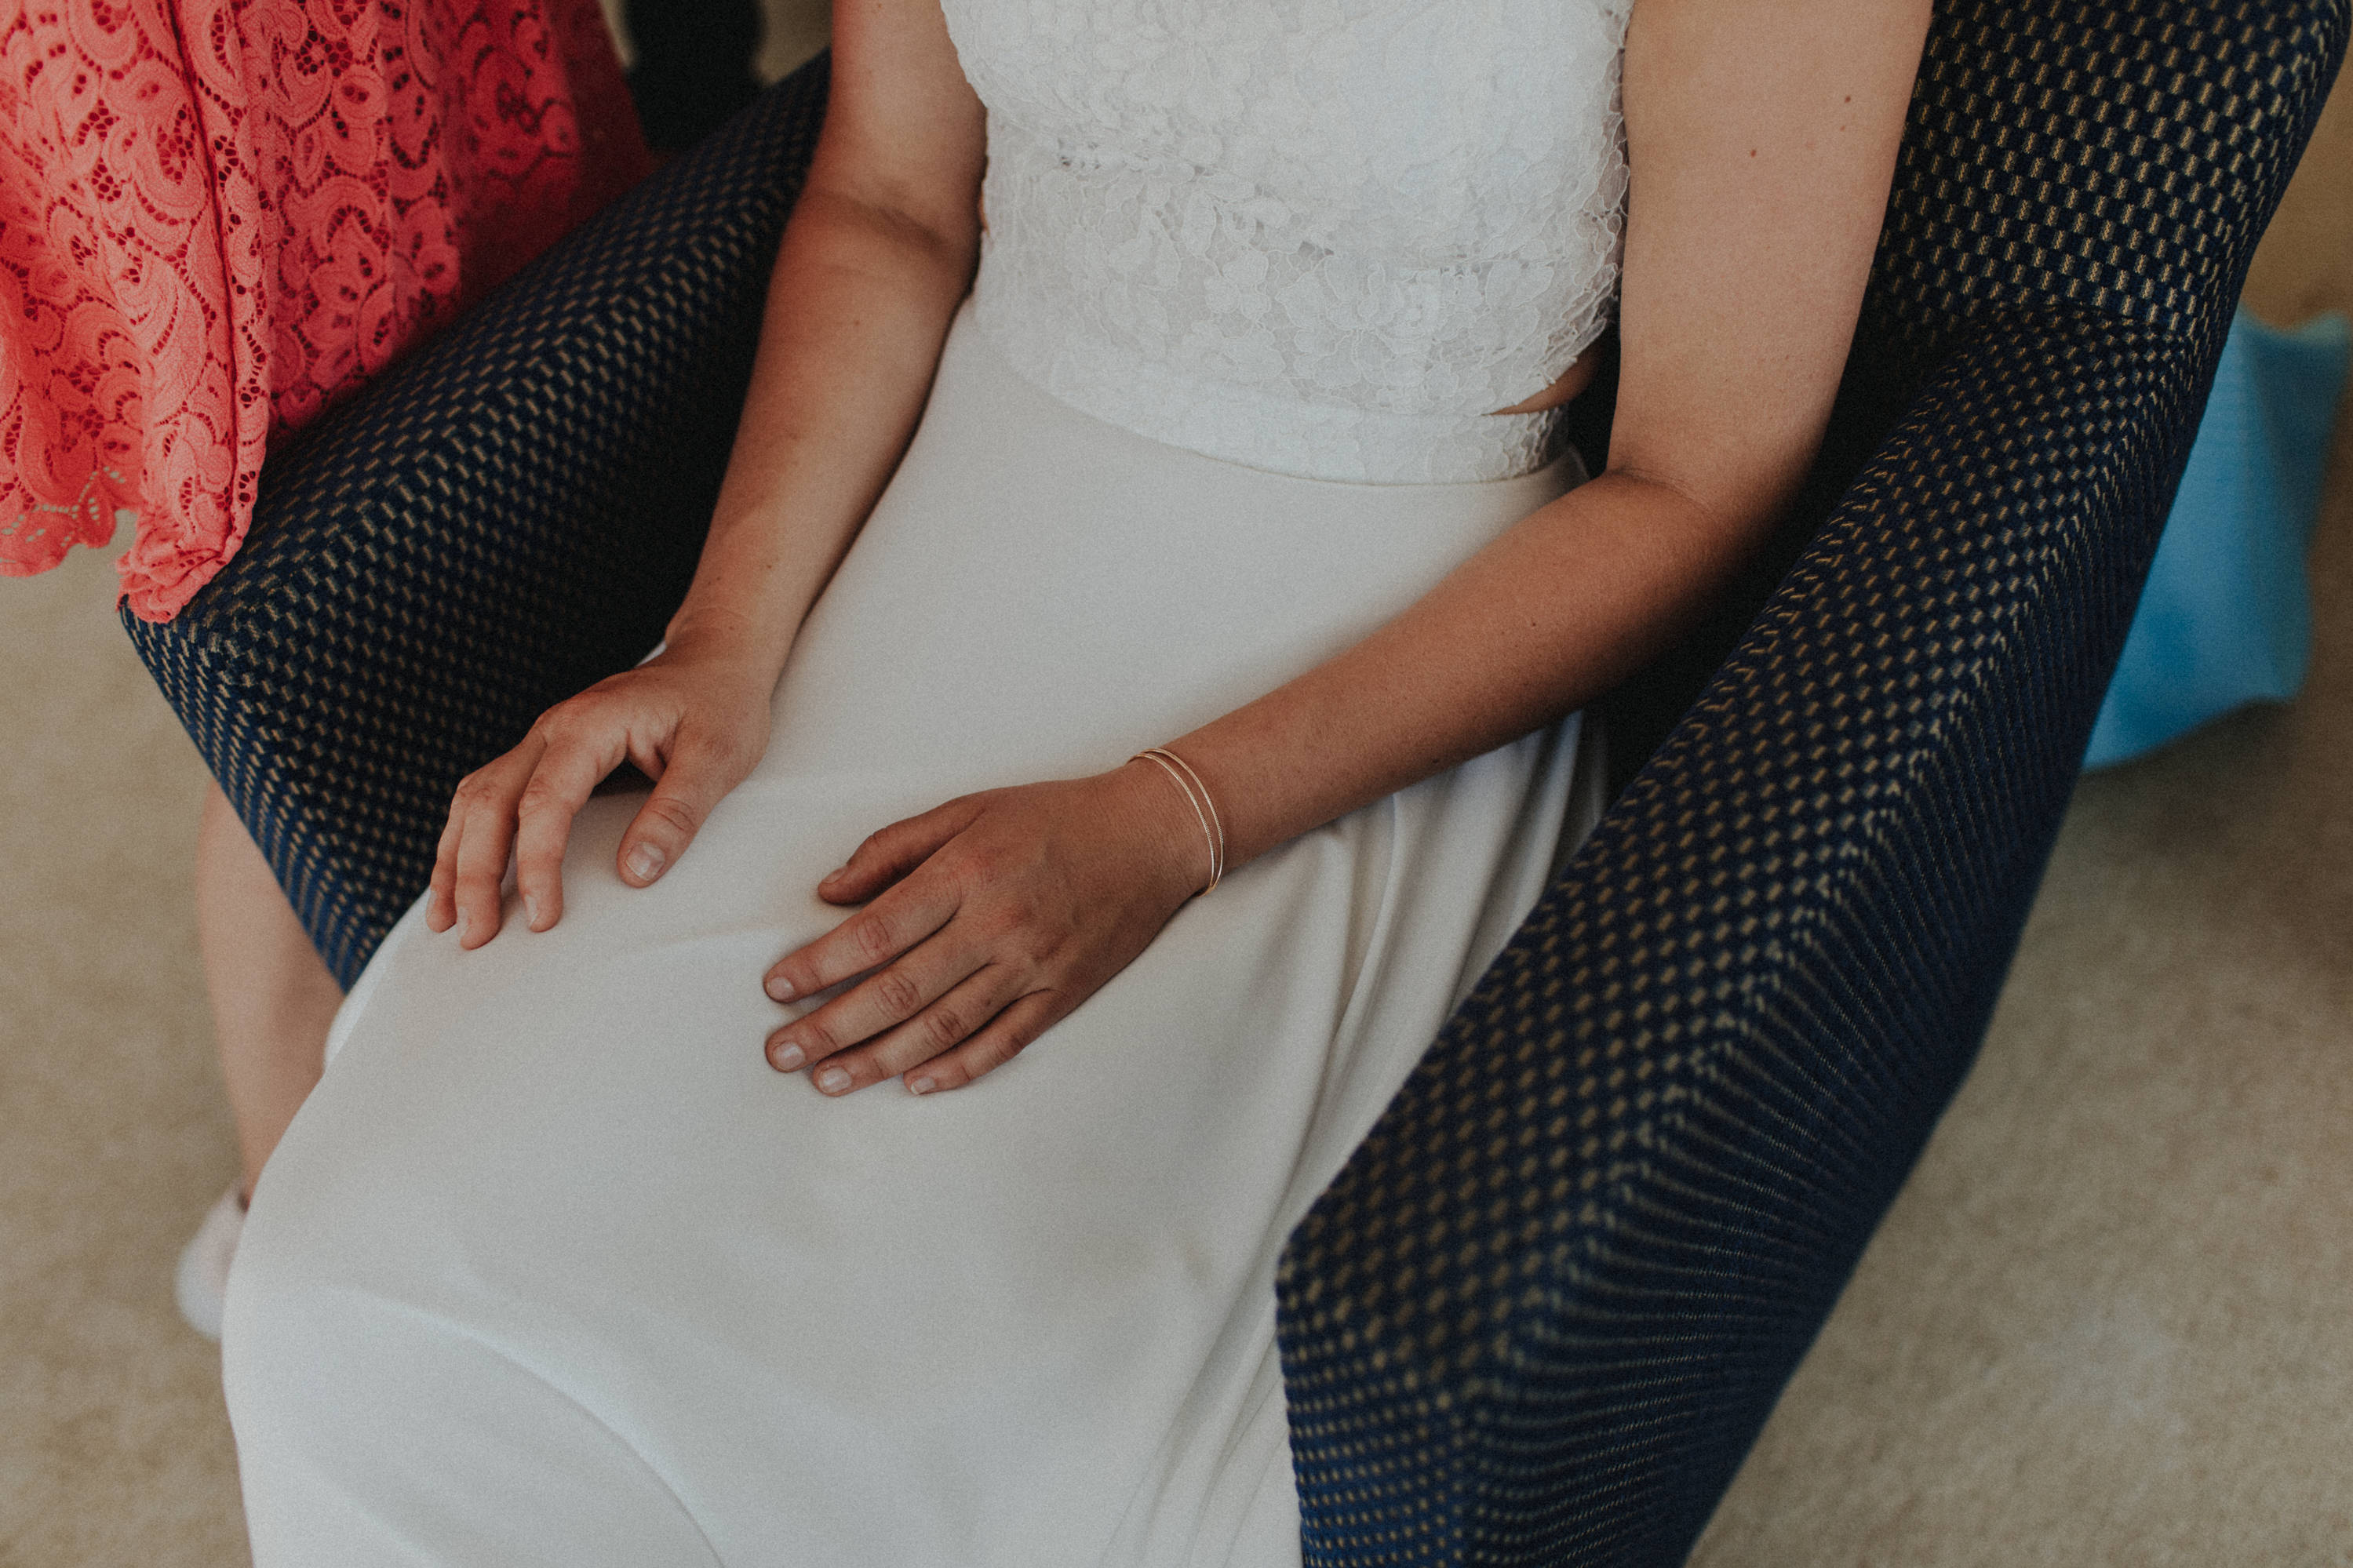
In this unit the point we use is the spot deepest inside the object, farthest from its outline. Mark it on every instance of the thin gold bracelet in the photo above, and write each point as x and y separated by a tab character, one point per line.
1197	795
1208	801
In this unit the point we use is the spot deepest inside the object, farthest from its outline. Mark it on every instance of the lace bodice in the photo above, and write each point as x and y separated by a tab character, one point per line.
1325	238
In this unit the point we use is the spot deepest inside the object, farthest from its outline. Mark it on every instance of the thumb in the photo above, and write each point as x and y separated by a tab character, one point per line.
696	778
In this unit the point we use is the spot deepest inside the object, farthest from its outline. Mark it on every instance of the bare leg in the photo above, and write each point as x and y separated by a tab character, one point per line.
272	997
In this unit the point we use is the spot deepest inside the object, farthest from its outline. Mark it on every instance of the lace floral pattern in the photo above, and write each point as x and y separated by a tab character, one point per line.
1323	236
217	216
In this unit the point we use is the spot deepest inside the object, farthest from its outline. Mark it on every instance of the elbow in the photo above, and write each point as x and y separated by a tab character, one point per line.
1733	511
937	241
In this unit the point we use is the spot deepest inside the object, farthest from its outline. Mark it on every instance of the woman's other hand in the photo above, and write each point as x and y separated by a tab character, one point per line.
880	251
992	917
694	720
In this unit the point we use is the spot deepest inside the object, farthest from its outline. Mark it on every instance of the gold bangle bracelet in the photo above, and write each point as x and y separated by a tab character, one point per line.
1197	795
1210	804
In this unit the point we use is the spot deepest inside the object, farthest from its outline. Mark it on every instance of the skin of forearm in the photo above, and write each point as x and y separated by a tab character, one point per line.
1567	602
859	306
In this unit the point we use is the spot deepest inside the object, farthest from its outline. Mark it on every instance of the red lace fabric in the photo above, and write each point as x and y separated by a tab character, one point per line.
217	216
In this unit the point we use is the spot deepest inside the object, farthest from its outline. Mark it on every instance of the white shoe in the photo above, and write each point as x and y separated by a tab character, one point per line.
203	1283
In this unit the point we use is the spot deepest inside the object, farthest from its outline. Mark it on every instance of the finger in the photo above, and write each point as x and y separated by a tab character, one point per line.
888	997
559	787
989	1047
485	834
891	854
440	900
941	1026
699	771
867	940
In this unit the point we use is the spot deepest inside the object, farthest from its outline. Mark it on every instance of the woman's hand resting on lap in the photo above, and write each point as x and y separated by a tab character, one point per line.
694	721
992	917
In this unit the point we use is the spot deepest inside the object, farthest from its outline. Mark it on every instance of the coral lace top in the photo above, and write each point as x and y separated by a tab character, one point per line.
217	216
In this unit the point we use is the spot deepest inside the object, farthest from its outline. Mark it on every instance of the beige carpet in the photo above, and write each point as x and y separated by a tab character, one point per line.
113	1138
2105	1326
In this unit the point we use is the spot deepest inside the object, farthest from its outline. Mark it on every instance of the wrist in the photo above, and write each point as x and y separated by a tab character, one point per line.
1166	823
724	636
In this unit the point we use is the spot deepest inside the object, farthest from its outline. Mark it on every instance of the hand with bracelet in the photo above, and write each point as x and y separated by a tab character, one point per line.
991	917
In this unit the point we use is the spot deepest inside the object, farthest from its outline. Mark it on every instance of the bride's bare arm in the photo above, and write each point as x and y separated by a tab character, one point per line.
1761	139
879	250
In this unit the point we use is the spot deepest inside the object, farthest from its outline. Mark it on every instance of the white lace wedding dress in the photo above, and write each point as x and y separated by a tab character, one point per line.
553	1269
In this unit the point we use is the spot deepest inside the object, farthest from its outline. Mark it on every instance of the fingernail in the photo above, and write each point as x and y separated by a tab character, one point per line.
788	1060
921	1086
833	1080
646	862
465	927
531	911
780	989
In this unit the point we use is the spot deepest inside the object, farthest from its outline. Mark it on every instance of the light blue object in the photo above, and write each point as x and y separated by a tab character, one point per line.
2225	619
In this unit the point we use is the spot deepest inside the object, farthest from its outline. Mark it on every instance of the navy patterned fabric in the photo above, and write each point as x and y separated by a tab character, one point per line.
1541	1315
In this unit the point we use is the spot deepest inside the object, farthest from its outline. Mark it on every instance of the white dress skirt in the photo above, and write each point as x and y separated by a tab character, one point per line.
553	1269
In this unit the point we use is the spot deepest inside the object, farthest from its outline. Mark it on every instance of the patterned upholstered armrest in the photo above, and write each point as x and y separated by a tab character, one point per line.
1541	1315
506	517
